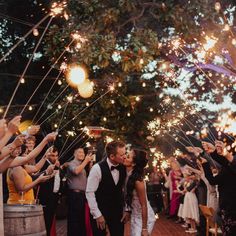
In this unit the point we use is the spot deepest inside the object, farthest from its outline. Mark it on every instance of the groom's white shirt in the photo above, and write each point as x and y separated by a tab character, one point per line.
94	178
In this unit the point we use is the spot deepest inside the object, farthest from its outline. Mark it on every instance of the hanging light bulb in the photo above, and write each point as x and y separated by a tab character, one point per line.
76	75
35	32
22	80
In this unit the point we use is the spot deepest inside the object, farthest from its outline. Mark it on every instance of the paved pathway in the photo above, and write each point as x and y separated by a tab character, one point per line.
163	227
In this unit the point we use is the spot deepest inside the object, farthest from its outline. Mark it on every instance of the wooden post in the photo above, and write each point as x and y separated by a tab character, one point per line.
1	208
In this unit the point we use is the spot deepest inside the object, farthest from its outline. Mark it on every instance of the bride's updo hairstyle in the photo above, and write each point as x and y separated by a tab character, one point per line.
140	161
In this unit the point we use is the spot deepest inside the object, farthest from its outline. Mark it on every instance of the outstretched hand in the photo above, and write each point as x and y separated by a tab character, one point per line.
14	124
33	129
208	147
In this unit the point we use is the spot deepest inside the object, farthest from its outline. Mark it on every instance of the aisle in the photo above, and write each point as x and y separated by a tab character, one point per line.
167	227
163	227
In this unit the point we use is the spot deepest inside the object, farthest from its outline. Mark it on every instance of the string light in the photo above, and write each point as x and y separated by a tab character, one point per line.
87	104
137	99
119	84
35	32
71	133
144	84
30	108
22	80
59	82
104	119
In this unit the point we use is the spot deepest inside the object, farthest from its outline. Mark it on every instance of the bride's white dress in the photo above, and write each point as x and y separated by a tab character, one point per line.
136	216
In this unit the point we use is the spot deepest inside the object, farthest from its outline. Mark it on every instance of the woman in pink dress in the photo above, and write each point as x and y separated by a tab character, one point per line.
175	176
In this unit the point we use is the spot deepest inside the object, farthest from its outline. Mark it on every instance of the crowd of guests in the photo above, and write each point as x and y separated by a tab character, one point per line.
101	197
203	176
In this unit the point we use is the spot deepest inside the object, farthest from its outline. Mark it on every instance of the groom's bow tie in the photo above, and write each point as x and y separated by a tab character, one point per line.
115	167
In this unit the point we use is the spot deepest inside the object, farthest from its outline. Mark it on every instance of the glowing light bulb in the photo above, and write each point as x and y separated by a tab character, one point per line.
35	32
76	75
137	99
22	80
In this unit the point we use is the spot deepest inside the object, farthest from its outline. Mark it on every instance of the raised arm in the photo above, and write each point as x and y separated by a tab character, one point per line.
12	128
18	141
18	178
31	169
23	160
77	170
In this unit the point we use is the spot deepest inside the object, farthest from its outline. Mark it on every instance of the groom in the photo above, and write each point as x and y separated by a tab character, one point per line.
104	191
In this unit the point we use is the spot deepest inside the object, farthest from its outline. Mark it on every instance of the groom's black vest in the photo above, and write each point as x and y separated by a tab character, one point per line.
110	197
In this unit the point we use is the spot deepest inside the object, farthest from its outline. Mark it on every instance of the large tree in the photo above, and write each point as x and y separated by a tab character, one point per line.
148	50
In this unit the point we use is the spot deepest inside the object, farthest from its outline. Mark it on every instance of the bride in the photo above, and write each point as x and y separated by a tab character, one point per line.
142	215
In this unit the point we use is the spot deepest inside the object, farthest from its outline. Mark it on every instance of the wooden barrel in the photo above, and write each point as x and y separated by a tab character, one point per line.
27	220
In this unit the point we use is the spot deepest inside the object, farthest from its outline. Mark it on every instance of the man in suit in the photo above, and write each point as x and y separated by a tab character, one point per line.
104	191
49	191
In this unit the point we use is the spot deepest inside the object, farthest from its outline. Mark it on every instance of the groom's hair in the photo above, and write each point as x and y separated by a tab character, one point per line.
111	148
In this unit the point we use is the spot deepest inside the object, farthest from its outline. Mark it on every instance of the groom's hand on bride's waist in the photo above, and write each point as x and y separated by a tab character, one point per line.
101	223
